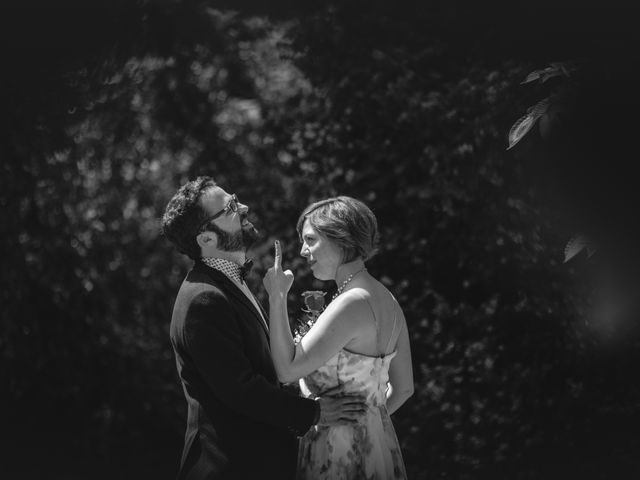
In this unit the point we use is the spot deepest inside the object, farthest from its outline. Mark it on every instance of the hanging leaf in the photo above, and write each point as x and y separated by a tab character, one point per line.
565	68
576	245
539	108
520	129
522	126
542	75
551	73
556	69
532	77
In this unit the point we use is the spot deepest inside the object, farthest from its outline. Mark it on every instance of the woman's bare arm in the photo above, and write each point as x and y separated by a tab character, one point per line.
400	372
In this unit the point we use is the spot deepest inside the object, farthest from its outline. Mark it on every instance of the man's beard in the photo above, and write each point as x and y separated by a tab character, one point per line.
238	241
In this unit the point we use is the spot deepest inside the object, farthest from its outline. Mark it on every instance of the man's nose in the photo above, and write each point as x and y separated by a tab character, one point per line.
242	208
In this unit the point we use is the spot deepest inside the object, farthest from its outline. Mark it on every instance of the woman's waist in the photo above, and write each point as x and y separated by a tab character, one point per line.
373	417
372	395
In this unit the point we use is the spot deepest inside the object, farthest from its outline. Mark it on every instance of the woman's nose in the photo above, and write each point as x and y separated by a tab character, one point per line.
304	251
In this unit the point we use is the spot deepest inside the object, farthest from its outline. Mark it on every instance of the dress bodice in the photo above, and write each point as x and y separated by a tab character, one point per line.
363	374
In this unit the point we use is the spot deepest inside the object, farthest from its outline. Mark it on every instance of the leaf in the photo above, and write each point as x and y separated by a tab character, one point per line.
539	108
520	129
522	126
532	77
556	69
565	68
576	245
550	74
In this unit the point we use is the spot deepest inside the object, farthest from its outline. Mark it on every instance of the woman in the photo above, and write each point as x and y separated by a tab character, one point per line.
359	341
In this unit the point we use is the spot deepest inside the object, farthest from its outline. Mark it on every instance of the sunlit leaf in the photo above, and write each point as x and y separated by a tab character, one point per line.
520	129
532	77
576	245
539	108
524	124
556	69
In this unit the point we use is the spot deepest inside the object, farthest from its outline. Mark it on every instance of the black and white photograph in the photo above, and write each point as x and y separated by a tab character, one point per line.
330	240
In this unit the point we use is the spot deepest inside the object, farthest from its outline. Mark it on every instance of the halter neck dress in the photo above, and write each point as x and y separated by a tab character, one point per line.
368	449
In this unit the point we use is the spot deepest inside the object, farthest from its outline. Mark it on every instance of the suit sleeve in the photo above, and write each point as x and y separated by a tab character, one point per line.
215	343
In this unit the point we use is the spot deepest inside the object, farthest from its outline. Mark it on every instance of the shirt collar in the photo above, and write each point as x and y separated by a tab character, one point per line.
230	269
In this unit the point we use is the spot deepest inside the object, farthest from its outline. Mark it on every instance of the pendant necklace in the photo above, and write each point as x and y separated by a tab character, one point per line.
346	282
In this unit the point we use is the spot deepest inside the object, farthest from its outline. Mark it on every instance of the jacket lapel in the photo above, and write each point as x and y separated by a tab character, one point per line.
264	312
224	282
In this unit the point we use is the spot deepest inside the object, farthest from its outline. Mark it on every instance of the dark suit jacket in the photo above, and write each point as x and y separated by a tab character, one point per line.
241	424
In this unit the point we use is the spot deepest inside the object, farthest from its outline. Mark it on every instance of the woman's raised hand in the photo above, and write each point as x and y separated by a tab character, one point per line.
276	281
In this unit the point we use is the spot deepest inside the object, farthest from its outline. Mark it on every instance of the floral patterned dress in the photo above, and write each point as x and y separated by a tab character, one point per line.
368	449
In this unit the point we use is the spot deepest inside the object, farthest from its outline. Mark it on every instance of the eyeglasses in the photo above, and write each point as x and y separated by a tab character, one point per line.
231	207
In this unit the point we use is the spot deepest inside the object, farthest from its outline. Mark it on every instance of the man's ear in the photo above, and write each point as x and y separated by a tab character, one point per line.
207	240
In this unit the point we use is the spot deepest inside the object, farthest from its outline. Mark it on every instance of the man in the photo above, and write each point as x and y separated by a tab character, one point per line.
241	424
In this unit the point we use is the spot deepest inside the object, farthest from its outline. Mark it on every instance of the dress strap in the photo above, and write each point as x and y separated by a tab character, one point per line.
375	319
393	336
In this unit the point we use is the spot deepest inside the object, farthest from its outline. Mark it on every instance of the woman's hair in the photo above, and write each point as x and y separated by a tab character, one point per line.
347	222
184	216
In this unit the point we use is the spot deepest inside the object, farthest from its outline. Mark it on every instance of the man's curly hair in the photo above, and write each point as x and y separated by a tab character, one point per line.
184	215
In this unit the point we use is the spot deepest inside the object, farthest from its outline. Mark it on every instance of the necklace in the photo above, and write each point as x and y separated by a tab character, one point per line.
346	282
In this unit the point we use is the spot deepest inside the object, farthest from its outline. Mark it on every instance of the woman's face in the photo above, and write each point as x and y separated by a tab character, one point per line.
323	255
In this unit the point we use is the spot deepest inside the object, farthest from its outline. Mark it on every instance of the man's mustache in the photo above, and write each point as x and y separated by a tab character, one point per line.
245	216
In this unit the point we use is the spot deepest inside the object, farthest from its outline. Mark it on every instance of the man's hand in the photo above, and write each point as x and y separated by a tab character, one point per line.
277	282
340	408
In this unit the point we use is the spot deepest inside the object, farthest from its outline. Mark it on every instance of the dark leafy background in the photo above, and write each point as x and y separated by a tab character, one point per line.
109	107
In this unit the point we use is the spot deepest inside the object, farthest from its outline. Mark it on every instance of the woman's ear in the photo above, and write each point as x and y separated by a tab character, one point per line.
207	240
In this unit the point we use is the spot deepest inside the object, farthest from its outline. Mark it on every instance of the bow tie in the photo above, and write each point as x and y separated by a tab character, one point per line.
246	268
